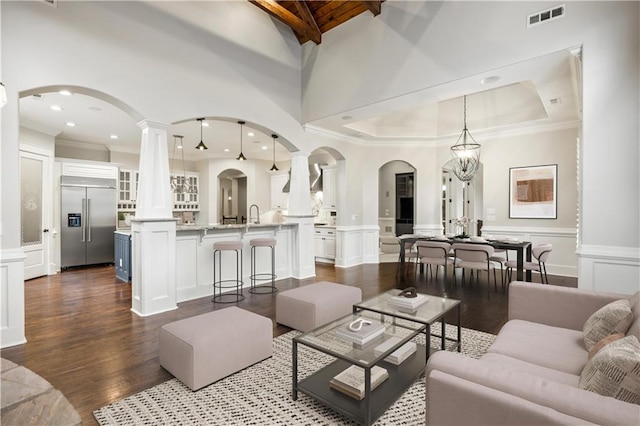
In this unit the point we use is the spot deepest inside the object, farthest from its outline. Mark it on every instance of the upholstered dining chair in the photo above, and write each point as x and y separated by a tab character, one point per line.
475	257
540	253
432	253
501	257
410	255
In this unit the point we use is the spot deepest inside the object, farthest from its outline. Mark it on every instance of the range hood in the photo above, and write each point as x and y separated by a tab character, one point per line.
315	178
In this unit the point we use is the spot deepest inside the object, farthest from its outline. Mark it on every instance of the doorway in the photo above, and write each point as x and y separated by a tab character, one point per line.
232	187
35	205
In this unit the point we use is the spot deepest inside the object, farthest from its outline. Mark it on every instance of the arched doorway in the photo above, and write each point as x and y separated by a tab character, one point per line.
397	198
232	190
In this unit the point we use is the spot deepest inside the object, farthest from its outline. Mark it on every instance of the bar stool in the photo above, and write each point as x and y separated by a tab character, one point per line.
264	289
218	285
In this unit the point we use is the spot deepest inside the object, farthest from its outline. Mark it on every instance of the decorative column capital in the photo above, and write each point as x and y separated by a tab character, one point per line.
145	124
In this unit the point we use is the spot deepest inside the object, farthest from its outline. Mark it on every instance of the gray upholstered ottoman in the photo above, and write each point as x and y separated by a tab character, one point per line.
310	306
203	349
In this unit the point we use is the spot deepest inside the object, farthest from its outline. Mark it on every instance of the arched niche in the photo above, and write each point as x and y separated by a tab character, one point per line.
397	197
232	192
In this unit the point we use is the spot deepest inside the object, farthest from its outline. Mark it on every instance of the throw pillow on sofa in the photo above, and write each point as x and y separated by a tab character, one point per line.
615	371
604	342
616	317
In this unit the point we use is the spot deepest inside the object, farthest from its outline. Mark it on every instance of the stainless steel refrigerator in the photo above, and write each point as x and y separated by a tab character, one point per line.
88	215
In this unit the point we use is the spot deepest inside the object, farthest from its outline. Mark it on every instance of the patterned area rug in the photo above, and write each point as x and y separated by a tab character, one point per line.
261	395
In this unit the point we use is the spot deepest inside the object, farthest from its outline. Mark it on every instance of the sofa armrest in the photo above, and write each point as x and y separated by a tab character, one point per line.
462	390
554	305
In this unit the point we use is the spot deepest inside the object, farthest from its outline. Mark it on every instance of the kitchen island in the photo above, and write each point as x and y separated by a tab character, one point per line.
194	254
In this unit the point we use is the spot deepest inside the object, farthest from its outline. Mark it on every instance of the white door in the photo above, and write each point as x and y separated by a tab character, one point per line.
35	202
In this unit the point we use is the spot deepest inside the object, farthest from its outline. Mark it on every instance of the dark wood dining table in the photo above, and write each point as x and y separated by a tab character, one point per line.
522	249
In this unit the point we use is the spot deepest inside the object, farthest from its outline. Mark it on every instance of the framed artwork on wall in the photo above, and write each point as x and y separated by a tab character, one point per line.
533	192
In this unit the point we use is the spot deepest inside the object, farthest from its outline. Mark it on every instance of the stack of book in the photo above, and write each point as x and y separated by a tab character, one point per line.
351	381
398	356
366	334
407	304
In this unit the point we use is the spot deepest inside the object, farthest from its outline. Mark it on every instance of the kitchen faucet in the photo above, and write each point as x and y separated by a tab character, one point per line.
257	222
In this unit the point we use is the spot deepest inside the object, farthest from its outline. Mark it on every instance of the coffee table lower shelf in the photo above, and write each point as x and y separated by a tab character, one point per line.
401	377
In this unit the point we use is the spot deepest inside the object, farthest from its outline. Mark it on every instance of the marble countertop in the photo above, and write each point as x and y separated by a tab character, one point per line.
230	226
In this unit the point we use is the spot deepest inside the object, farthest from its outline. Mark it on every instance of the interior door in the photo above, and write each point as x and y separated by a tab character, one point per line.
34	205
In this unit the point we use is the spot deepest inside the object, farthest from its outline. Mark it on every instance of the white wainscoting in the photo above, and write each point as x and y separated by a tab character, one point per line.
428	229
12	298
610	269
356	245
563	260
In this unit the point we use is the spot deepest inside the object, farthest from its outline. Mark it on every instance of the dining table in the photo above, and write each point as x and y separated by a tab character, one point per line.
522	249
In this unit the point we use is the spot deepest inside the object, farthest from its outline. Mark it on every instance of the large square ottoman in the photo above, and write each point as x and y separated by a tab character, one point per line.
310	306
205	348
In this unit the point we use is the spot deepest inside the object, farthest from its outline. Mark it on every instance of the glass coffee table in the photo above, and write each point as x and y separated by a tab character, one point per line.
433	310
400	328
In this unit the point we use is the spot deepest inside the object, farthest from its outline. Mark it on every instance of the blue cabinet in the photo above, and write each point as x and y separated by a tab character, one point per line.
123	256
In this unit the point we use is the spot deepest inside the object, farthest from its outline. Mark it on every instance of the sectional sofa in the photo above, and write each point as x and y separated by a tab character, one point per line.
531	374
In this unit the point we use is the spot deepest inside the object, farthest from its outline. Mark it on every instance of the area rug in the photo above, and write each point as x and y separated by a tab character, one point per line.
261	395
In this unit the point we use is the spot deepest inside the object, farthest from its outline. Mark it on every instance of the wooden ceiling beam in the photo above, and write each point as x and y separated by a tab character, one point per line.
283	15
373	6
307	16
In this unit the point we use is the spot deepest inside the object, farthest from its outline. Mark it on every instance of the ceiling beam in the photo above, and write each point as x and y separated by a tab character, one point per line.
283	15
373	6
314	32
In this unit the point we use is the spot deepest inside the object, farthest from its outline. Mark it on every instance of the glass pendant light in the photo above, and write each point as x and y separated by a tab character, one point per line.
201	146
466	155
274	168
241	157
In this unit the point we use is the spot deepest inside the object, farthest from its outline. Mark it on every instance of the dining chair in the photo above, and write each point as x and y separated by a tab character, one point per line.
410	255
475	257
540	253
432	253
501	257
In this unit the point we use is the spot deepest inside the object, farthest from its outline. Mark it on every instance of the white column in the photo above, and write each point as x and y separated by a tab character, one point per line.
300	212
299	195
154	198
11	254
153	230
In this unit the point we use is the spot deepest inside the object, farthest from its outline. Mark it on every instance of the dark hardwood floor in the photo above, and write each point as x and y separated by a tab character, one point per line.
84	339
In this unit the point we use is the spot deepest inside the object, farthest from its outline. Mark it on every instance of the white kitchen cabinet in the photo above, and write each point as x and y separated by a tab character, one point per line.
187	201
325	244
279	200
329	187
127	189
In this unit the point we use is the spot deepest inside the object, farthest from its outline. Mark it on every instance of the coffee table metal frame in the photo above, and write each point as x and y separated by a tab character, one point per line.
374	404
433	310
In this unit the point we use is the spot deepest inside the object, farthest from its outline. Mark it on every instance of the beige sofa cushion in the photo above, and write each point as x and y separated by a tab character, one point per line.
557	348
504	361
615	371
615	317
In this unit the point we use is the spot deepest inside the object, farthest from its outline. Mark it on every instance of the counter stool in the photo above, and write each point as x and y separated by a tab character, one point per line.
218	285
264	289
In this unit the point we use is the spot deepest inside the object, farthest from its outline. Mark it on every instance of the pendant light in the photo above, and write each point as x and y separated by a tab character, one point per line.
274	168
201	146
241	157
466	155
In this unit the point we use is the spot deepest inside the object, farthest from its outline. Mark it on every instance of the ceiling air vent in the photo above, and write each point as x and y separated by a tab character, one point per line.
545	15
53	3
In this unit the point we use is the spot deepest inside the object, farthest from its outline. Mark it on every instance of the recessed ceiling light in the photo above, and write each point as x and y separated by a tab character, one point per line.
226	150
179	146
65	93
71	124
205	124
490	79
56	107
264	147
114	136
250	134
